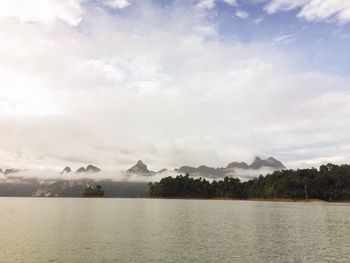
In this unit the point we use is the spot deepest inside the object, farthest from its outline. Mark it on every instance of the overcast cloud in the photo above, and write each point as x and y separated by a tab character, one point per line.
111	82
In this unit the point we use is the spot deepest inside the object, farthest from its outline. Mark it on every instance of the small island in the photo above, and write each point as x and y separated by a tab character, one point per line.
93	191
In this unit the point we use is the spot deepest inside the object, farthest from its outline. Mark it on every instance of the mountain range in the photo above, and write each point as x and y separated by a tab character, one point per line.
89	169
205	171
76	185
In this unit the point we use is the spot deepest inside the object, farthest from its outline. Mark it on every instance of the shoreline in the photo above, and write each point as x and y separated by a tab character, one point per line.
276	200
280	200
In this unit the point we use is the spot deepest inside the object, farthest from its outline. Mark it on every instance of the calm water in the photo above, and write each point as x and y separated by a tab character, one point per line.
143	230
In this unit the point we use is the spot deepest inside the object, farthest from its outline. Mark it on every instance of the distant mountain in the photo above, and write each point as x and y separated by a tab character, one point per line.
92	169
238	165
89	169
66	170
140	168
206	171
76	186
80	170
202	170
269	162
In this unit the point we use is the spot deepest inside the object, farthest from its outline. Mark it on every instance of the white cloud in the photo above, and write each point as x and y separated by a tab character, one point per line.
45	11
284	39
314	10
210	4
231	2
155	87
274	6
206	4
117	3
242	14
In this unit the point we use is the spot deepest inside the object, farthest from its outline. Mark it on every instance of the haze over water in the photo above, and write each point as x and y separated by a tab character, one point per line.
157	230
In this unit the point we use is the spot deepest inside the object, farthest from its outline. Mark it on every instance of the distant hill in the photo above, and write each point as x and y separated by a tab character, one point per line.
205	171
202	170
241	165
89	169
269	162
140	168
66	170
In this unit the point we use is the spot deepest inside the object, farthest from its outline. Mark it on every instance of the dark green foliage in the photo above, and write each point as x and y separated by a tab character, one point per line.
330	182
185	186
94	191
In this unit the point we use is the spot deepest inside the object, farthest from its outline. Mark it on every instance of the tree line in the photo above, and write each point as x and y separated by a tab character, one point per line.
330	182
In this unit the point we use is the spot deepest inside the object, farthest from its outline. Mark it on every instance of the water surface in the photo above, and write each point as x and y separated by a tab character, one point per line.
155	230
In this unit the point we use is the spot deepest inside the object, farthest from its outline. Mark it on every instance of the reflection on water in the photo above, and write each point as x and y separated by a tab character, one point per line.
150	230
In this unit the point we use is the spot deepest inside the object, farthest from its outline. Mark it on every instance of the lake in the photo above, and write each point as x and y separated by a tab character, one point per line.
162	230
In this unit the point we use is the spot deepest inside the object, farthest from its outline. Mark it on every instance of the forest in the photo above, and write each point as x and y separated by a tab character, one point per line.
93	191
330	183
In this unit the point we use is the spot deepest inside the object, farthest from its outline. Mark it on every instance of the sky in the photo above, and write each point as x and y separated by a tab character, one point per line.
182	82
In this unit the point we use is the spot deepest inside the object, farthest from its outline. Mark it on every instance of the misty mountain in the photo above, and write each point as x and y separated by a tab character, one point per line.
202	170
140	168
241	165
19	185
205	171
269	162
89	169
66	170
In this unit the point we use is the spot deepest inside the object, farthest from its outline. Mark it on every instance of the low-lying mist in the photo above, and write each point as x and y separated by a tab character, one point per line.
45	176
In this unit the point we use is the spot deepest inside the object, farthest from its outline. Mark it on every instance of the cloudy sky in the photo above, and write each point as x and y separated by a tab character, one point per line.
173	82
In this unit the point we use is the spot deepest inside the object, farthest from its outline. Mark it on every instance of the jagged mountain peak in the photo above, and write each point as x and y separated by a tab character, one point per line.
239	165
258	158
139	168
269	162
80	170
258	163
66	170
92	169
89	169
